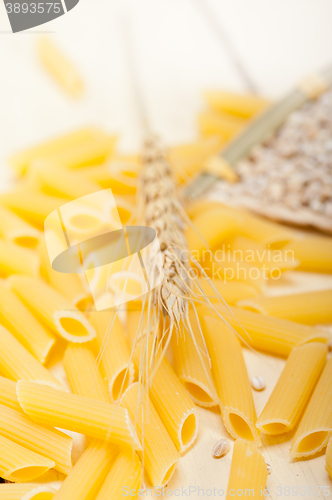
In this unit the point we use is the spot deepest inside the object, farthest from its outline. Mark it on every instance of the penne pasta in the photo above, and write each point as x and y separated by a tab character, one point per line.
115	360
313	252
57	312
67	284
160	453
49	406
49	443
244	105
59	67
265	333
192	365
315	428
124	477
23	325
171	400
309	307
83	373
248	471
30	491
221	123
8	394
230	291
15	259
16	230
293	389
32	205
88	474
231	380
18	464
17	363
263	231
119	175
22	160
329	458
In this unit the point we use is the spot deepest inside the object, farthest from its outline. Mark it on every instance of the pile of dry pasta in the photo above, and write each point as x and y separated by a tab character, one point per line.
64	371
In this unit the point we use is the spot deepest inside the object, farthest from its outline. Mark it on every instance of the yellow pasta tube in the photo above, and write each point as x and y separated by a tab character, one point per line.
309	307
315	428
124	477
59	67
49	406
15	229
83	373
59	314
248	471
49	443
115	359
27	491
67	284
268	334
230	291
118	174
32	205
21	161
18	464
267	232
8	394
15	259
171	400
231	379
313	252
192	365
24	326
160	454
88	474
17	363
221	123
244	105
329	458
293	389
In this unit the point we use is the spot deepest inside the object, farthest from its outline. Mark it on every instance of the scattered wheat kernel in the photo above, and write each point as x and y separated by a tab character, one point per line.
221	448
329	346
258	383
268	466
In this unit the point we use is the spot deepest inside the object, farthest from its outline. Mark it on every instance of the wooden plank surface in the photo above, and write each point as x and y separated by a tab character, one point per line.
178	52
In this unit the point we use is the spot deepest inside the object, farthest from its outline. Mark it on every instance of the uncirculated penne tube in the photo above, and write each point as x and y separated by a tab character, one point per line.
160	453
27	491
313	252
315	428
244	105
59	67
83	373
49	443
231	380
17	318
192	365
67	284
16	259
329	458
229	291
308	307
221	267
213	122
120	176
8	394
15	229
21	161
248	471
265	333
88	474
293	389
32	205
18	464
59	314
17	363
115	360
124	477
49	406
169	397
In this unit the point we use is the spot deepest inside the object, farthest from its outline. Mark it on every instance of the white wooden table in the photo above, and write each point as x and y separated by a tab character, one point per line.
179	52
